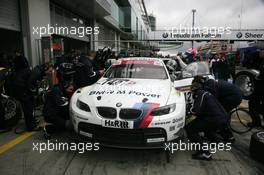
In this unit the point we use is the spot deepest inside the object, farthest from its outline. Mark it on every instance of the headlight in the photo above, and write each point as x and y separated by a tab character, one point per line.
83	106
164	110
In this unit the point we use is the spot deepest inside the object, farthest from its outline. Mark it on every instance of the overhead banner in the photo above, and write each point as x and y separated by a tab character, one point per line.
231	35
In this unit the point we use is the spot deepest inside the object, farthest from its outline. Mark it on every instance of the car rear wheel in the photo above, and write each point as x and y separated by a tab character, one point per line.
245	81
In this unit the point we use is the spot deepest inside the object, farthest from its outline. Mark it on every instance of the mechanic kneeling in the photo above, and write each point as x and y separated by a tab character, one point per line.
227	94
211	116
56	108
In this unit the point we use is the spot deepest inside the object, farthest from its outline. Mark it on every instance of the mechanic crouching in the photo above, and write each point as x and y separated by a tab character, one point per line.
56	108
227	94
211	117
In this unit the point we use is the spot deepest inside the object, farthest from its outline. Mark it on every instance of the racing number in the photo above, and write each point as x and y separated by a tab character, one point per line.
189	102
188	97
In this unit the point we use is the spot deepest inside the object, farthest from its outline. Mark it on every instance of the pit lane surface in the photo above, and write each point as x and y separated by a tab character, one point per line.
20	158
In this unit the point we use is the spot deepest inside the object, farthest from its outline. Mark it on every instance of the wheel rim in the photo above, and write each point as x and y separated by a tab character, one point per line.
245	84
10	109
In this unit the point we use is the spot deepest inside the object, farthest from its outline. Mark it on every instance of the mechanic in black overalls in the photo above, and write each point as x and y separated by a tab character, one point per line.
86	74
56	108
24	84
211	117
229	96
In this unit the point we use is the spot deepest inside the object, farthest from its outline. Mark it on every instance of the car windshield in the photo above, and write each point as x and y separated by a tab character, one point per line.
197	68
138	71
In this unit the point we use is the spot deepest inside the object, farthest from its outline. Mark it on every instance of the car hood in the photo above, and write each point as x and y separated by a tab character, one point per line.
126	92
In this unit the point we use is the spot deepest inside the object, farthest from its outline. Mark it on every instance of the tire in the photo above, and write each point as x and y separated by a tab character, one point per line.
239	119
13	112
256	146
245	81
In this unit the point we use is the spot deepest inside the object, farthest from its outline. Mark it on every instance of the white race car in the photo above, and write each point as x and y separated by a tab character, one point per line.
133	105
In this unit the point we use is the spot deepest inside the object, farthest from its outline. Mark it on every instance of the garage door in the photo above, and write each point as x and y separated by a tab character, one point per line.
9	15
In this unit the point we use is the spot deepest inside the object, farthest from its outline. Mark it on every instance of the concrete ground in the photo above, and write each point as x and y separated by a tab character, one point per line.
17	157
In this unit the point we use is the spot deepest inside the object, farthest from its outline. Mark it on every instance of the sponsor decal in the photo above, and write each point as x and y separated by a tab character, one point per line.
172	35
145	120
124	92
239	35
145	94
162	123
183	88
137	62
165	35
175	120
253	35
101	92
118	82
149	61
249	35
116	124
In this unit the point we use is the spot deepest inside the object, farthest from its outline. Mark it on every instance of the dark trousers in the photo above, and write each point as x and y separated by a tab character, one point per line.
195	127
256	105
27	104
58	122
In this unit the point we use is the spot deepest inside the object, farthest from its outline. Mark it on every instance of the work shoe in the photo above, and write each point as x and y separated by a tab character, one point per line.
37	128
202	156
46	134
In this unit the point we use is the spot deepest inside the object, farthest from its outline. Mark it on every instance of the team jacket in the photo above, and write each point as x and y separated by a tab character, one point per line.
207	107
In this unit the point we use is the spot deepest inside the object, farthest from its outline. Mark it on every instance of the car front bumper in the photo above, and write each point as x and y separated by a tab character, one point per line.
149	138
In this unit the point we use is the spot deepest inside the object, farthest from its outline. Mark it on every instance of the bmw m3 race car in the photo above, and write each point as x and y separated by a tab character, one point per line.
133	105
